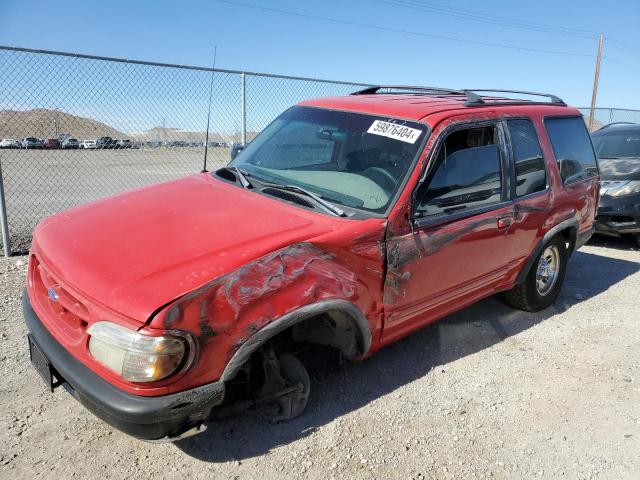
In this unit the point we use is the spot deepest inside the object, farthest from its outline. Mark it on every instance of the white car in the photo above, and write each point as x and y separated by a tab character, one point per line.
88	144
9	143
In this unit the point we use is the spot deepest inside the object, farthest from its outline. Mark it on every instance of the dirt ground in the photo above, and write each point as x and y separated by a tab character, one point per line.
486	393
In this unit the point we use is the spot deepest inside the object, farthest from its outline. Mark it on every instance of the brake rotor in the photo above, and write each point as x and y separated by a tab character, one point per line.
286	390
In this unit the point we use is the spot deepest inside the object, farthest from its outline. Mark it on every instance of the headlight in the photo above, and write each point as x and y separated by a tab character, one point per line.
620	189
133	356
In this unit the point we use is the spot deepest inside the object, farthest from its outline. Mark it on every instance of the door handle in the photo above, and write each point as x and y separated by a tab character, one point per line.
505	222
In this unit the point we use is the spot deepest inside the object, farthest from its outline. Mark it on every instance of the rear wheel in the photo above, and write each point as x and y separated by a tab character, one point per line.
544	281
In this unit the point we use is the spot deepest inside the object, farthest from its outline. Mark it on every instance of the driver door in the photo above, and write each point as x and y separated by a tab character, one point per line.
460	247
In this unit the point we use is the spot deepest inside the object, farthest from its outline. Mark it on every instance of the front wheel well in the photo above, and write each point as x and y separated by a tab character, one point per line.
332	323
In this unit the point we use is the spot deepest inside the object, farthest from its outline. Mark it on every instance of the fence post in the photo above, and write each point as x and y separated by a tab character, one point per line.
611	115
243	108
6	243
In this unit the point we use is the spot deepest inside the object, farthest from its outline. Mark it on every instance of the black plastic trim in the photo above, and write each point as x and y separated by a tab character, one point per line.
148	418
361	325
570	224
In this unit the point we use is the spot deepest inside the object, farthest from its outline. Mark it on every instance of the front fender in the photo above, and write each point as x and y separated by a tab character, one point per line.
227	312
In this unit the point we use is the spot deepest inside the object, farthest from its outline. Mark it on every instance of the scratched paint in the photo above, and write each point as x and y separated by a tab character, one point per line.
404	250
309	273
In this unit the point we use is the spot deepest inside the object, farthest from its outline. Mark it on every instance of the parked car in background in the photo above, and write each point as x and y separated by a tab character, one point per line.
88	144
617	147
9	143
122	143
347	224
105	142
51	144
31	142
70	144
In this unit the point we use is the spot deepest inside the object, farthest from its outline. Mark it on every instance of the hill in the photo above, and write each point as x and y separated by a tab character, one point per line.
44	123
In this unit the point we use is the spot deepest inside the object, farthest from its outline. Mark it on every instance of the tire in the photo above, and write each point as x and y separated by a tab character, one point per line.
535	294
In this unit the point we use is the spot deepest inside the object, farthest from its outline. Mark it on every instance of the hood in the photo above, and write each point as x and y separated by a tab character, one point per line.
619	168
138	251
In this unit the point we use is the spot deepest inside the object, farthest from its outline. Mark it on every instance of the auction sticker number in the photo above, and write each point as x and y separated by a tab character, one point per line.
395	131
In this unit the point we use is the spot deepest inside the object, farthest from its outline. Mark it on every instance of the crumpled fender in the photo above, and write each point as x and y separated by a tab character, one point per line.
224	313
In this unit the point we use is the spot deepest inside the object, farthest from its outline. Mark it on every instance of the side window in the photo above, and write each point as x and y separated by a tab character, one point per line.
531	176
467	173
572	148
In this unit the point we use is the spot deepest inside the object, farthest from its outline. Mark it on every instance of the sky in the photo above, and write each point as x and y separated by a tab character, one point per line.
547	45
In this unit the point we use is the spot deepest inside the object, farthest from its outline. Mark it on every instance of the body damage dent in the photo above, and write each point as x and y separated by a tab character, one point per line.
222	302
404	250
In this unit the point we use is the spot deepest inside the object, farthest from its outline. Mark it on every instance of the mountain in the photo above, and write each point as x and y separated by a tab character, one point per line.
167	134
44	123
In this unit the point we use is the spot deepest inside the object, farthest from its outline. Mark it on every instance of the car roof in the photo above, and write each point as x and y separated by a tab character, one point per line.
419	107
617	128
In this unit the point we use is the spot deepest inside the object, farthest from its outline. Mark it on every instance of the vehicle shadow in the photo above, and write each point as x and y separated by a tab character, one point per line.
619	243
354	386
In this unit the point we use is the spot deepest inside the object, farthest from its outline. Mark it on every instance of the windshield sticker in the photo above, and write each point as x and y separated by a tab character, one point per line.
395	131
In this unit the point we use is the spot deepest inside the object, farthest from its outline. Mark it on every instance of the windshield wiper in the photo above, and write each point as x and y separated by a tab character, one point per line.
240	175
294	188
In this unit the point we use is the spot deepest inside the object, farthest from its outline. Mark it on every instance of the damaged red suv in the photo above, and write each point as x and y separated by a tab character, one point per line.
348	223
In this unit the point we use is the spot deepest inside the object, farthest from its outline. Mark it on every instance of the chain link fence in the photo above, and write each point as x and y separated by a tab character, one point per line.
605	116
75	128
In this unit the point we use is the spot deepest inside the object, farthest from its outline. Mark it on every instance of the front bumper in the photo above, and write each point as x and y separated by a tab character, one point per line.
618	215
147	418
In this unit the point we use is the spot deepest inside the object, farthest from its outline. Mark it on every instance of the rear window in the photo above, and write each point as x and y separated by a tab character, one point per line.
619	145
572	147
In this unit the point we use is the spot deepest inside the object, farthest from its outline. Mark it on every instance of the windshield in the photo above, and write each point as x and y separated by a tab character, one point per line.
617	145
353	159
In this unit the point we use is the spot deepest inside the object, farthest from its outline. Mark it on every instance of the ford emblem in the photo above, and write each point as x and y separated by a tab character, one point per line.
52	294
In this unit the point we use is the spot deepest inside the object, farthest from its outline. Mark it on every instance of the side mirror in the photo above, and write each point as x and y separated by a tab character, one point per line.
331	135
570	169
236	149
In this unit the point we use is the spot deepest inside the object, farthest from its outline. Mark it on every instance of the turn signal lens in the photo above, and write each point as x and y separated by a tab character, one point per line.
133	356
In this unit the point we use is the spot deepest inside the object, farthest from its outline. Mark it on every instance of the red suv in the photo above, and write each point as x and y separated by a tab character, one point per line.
348	223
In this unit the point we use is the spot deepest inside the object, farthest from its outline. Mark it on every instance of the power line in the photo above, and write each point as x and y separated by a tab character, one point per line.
623	47
510	22
421	34
403	31
476	16
621	64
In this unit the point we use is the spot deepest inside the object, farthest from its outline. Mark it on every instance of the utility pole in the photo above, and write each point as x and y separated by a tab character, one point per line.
595	82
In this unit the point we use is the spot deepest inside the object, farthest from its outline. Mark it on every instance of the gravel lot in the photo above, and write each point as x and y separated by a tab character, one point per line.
38	183
487	392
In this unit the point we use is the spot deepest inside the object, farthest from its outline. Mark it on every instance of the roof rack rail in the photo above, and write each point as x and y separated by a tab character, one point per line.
436	90
552	98
473	99
616	123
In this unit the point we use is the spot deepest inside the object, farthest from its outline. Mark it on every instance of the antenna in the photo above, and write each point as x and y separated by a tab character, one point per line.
206	140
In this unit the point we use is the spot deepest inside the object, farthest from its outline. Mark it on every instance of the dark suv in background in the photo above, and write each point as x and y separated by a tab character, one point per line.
618	150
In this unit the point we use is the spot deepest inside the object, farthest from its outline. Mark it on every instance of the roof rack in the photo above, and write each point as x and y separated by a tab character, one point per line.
472	98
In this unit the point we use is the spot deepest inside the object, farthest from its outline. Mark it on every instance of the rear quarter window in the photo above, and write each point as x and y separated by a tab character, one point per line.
531	175
572	148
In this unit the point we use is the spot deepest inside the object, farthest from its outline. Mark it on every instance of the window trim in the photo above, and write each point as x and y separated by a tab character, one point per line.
547	187
555	157
507	172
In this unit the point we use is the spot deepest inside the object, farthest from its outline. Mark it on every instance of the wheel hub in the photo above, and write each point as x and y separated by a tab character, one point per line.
547	269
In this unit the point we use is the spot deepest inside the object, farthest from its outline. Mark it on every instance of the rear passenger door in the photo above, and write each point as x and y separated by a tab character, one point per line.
530	187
